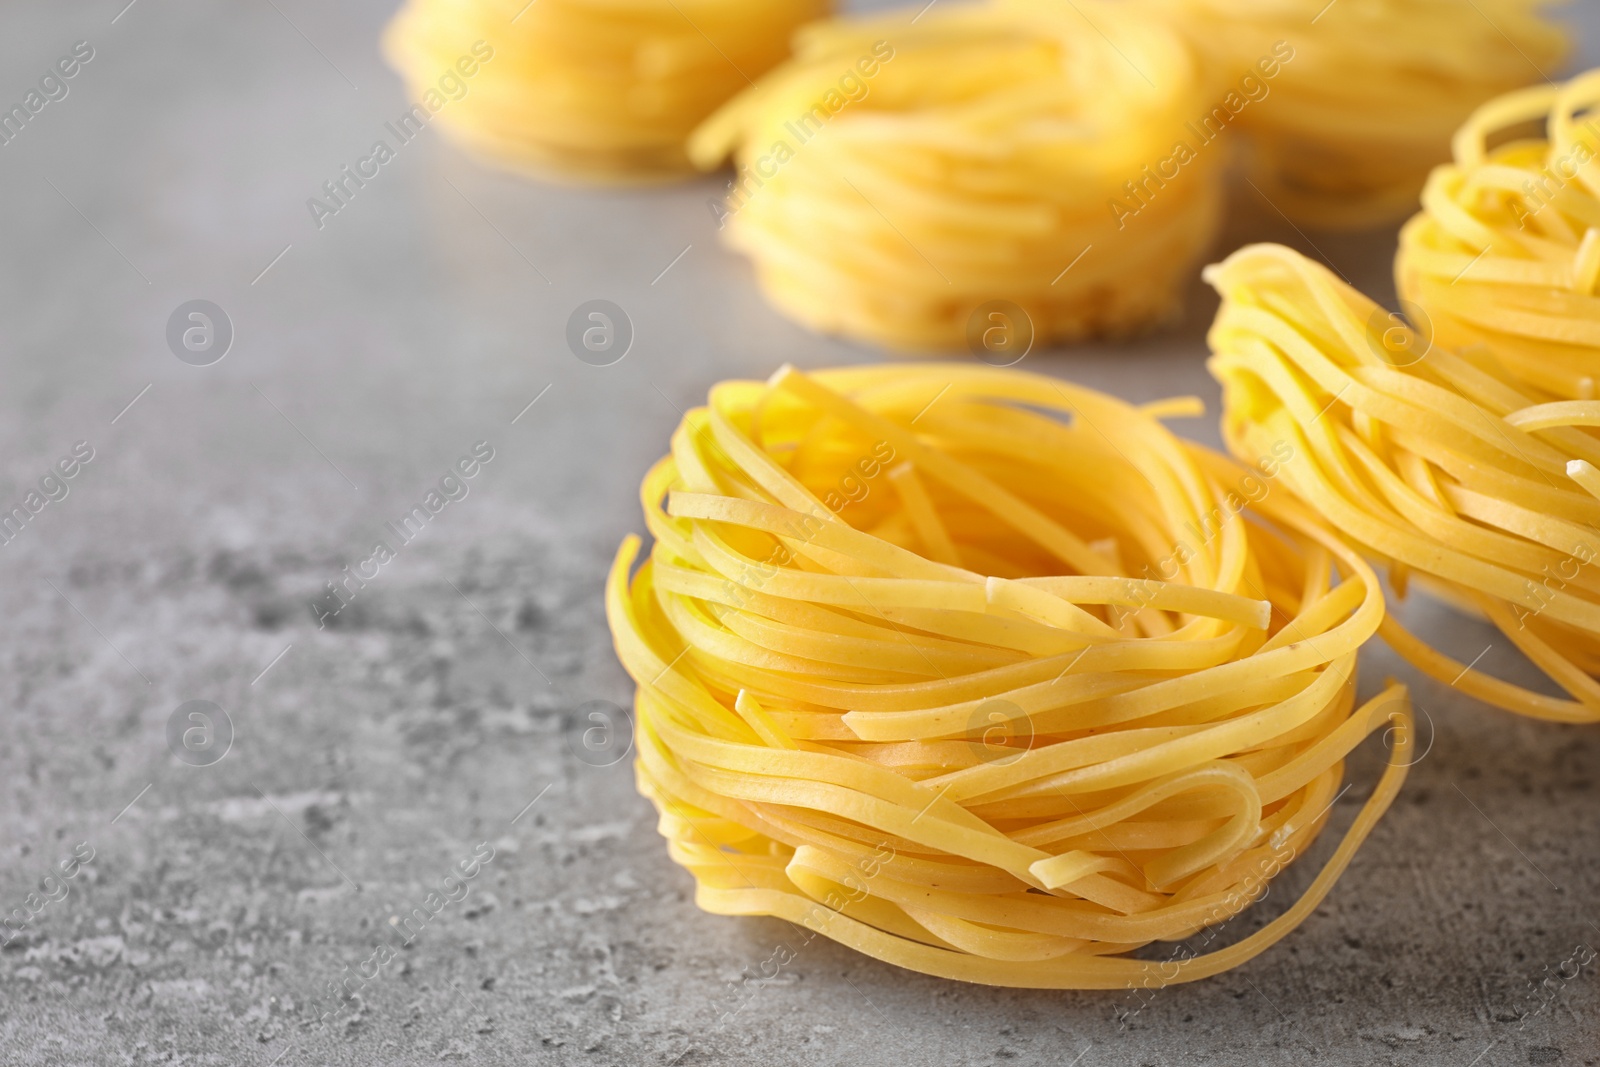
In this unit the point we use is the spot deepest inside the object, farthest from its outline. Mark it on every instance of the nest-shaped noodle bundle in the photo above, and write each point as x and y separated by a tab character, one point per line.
899	173
1351	125
986	675
1506	251
590	90
1436	462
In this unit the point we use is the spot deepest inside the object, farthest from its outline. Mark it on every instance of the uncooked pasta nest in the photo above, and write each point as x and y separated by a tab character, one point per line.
1506	251
1438	463
1345	135
987	675
588	90
904	175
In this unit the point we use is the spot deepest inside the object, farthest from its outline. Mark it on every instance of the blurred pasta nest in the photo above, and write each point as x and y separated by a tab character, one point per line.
592	90
1373	94
1440	464
1506	251
898	173
987	675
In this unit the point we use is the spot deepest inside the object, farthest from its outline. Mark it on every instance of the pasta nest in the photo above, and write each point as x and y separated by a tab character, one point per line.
1435	462
592	90
1506	251
900	172
987	675
1374	91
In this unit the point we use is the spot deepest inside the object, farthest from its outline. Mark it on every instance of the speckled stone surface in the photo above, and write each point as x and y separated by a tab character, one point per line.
436	721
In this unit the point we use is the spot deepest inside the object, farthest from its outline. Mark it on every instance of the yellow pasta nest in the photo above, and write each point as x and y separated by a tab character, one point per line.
900	173
986	675
1506	251
1436	462
1346	135
589	90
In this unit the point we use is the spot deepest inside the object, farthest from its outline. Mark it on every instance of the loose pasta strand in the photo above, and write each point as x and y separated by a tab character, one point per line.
987	675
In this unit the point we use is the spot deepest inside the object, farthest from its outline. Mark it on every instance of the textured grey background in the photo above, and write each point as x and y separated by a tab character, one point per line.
377	753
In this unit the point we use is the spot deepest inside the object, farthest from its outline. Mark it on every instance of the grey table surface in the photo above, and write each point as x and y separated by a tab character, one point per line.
371	756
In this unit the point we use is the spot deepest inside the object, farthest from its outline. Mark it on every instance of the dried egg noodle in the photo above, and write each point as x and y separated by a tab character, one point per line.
893	177
1506	251
1436	462
1349	129
591	90
898	684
